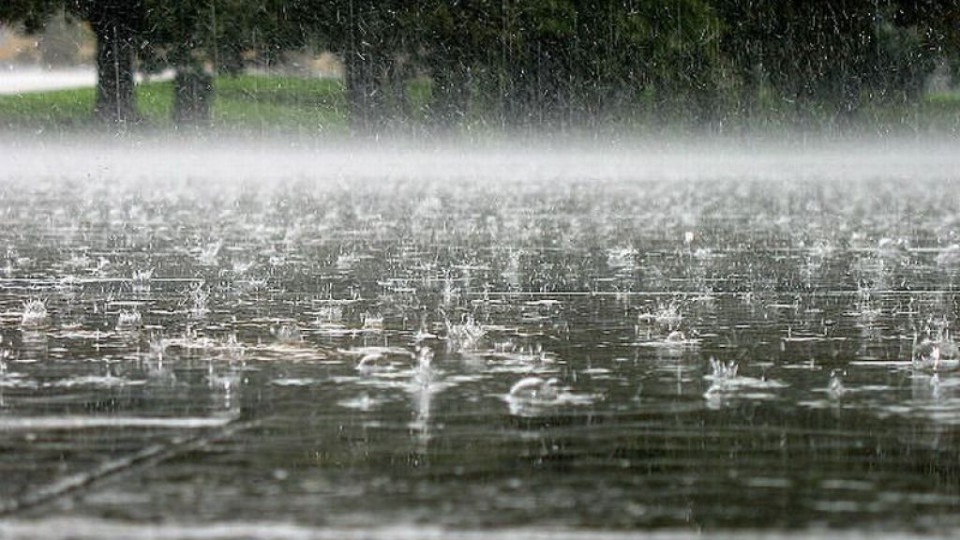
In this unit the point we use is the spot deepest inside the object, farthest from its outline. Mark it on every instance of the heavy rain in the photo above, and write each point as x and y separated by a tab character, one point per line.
454	269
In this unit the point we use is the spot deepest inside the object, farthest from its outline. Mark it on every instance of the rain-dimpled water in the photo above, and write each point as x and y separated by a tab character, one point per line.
431	341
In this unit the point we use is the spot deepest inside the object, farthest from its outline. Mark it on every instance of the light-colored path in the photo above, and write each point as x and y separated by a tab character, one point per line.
16	80
24	79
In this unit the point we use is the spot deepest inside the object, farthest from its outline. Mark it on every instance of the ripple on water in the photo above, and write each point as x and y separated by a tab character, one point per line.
295	382
535	396
362	402
94	381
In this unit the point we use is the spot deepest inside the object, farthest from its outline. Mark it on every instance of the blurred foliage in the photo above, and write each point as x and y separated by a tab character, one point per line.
562	64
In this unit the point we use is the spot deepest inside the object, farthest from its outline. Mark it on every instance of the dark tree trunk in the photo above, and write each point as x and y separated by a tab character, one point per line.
364	61
451	94
749	107
520	92
192	93
362	92
115	27
366	74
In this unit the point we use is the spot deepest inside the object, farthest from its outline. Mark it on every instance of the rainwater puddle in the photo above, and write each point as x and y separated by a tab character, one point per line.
518	348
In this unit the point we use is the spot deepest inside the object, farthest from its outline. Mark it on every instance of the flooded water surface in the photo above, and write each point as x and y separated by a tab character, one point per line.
486	341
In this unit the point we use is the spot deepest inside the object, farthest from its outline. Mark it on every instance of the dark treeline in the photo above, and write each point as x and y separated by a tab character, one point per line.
536	63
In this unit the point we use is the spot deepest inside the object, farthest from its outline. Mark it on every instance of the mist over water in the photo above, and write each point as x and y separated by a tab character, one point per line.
228	158
396	338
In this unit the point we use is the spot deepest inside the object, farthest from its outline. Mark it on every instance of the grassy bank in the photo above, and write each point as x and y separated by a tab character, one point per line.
277	104
243	103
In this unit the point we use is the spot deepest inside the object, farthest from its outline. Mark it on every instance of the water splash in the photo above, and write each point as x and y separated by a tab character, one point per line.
129	320
721	371
727	382
949	256
287	334
140	281
934	349
34	314
466	335
372	323
208	254
835	388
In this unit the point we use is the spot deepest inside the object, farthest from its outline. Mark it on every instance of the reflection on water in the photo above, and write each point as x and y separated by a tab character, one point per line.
559	352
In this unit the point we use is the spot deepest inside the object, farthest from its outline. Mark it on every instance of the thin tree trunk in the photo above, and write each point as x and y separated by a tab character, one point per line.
451	94
363	62
360	90
365	90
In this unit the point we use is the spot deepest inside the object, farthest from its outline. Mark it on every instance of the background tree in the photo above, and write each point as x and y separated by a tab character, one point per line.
459	47
553	64
370	38
827	58
32	14
117	25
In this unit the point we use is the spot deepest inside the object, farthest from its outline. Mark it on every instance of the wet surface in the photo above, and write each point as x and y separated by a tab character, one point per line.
698	352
